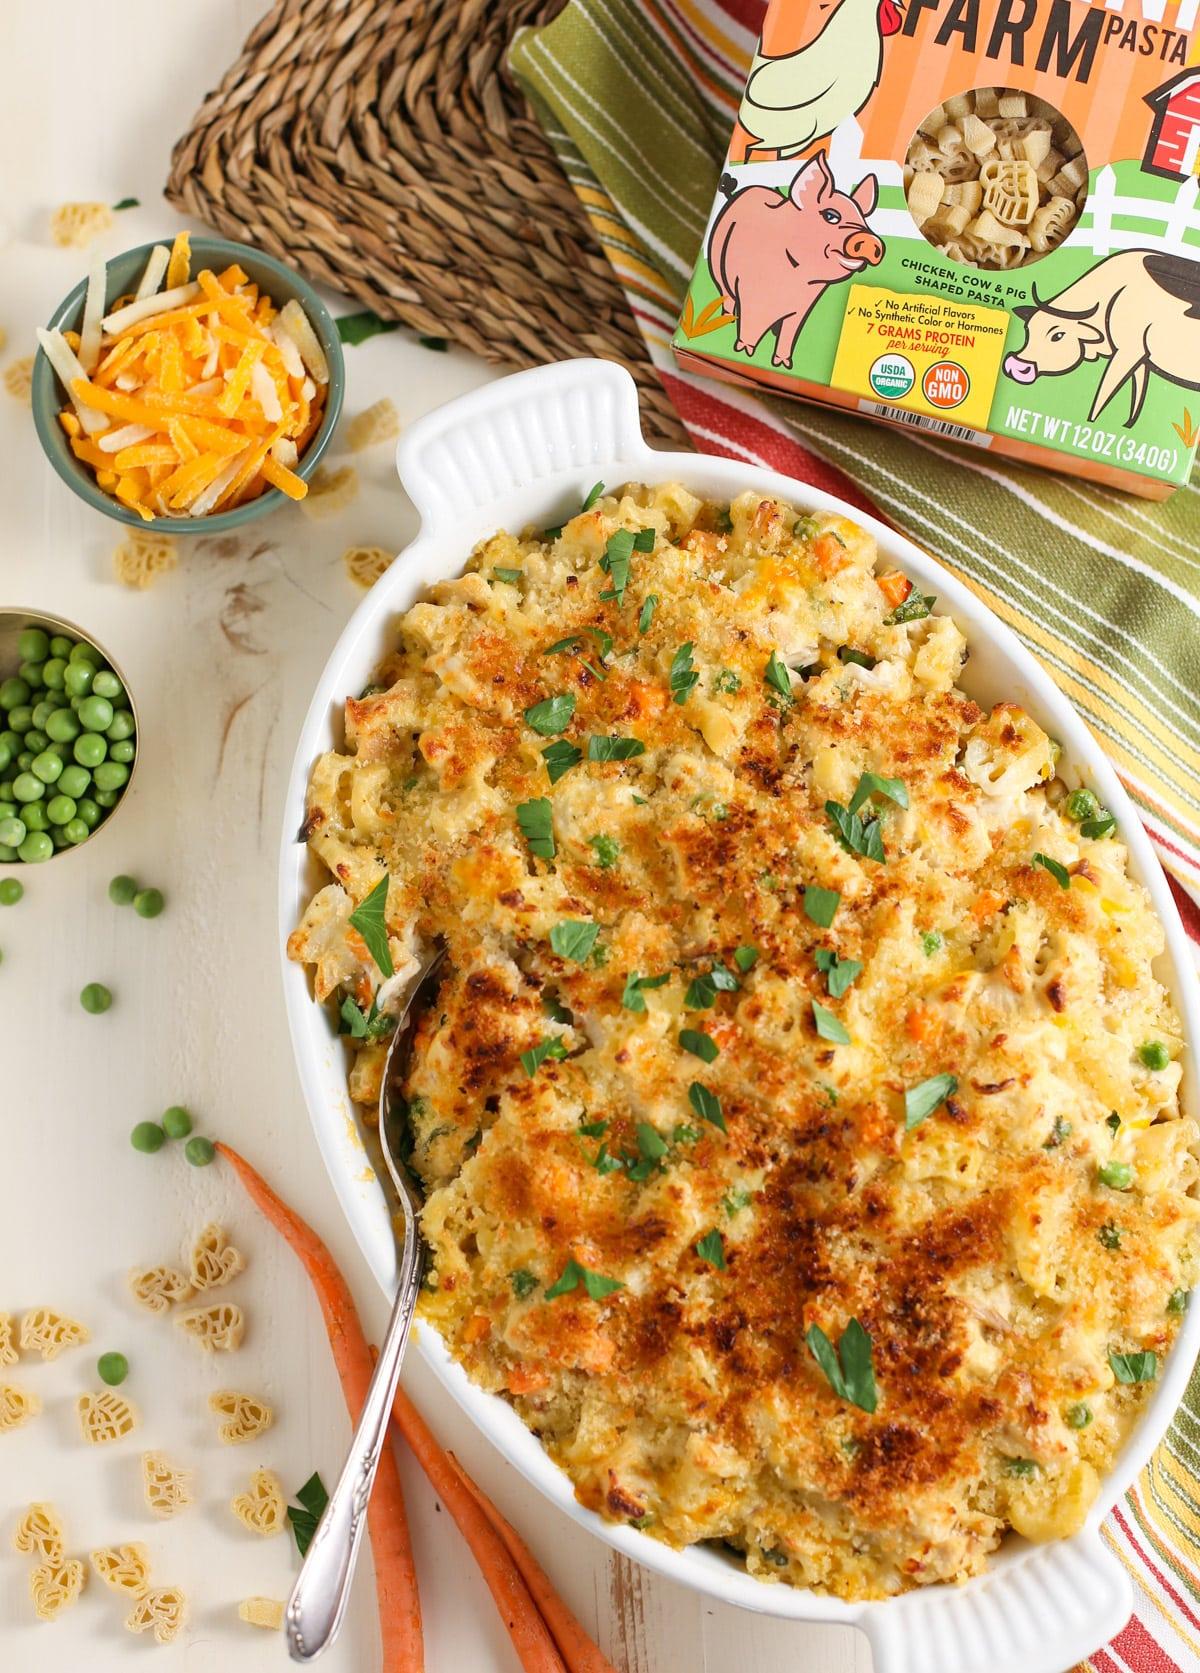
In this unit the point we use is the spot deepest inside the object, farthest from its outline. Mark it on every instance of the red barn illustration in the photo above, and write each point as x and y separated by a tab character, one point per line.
1173	148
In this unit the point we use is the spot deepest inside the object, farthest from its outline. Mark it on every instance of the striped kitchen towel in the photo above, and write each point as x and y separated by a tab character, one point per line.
638	98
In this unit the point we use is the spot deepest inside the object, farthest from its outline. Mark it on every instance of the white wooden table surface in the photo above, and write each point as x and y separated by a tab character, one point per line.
221	656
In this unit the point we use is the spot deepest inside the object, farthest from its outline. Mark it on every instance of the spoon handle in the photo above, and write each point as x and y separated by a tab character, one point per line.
318	1600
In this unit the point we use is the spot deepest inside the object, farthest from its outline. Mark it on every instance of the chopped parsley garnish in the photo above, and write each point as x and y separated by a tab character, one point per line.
574	643
128	203
1110	1235
608	850
725	680
560	757
620	547
683	676
1134	1367
702	990
573	1274
1059	872
700	1045
723	520
512	576
646	613
1112	1121
523	1283
914	609
711	1248
829	1091
604	1163
828	1026
736	1199
820	905
356	328
593	494
1024	1467
745	958
920	1101
536	820
777	675
554	1007
574	939
365	1025
614	749
636	985
1058	1133
856	835
706	1105
369	918
685	1133
932	942
551	1046
552	715
312	1499
849	1371
847	654
874	784
1177	1302
593	1129
839	973
1103	825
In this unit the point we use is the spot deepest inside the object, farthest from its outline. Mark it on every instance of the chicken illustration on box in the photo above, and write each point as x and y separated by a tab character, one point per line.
772	257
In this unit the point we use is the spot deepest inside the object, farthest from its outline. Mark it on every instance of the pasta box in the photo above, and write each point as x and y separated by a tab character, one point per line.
978	219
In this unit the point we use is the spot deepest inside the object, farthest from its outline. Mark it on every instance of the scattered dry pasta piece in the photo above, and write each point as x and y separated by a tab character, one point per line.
45	1332
105	1417
123	1568
365	564
143	556
39	1533
76	224
217	1329
18	378
165	1488
164	1609
263	1509
330	491
378	423
16	1406
55	1586
261	1612
246	1416
8	1347
214	1260
158	1287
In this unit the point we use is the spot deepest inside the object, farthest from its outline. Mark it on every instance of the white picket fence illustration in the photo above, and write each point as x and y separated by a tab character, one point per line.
1169	220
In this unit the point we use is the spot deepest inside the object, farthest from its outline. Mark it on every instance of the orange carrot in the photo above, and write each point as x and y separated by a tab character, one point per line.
894	587
395	1571
576	1648
920	1023
529	1633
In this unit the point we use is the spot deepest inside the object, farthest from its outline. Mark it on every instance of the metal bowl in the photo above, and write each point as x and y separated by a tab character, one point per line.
12	623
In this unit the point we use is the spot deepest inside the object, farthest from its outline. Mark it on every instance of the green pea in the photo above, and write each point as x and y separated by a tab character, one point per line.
24	761
77	678
112	1368
1078	1416
27	787
7	855
106	798
75	831
11	888
41	710
52	673
12	833
199	1152
60	645
34	815
96	713
57	749
21	718
1117	1175
47	767
6	756
95	999
111	775
36	848
14	692
60	809
106	684
1081	805
90	749
31	673
73	781
1153	1054
147	1136
148	903
81	651
89	811
122	726
63	726
177	1123
35	740
33	644
10	739
122	890
58	837
122	752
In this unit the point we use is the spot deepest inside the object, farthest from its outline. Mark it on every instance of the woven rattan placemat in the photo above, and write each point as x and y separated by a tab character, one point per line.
382	148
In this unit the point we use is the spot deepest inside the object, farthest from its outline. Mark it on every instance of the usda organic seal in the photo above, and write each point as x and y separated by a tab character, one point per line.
892	375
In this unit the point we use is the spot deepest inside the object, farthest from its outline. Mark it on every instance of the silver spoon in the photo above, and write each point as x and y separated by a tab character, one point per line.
318	1600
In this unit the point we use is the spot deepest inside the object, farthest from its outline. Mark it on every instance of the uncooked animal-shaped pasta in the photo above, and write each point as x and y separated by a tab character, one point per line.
8	1346
163	1609
329	491
365	564
1051	223
216	1329
18	378
123	1568
17	1406
105	1417
244	1416
261	1612
141	558
214	1260
48	1333
75	224
165	1488
263	1508
1010	191
39	1534
55	1586
158	1287
378	423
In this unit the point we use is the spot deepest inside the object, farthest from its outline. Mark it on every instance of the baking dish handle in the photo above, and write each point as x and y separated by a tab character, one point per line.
1039	1615
553	423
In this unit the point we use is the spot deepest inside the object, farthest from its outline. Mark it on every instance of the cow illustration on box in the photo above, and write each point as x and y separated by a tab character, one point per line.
1139	310
773	256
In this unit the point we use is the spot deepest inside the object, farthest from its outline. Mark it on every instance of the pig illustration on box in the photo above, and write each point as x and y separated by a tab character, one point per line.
772	256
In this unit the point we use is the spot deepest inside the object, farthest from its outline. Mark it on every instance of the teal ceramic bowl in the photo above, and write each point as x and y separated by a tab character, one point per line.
124	271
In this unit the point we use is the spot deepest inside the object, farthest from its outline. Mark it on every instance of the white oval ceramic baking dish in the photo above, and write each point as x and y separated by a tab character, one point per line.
523	451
